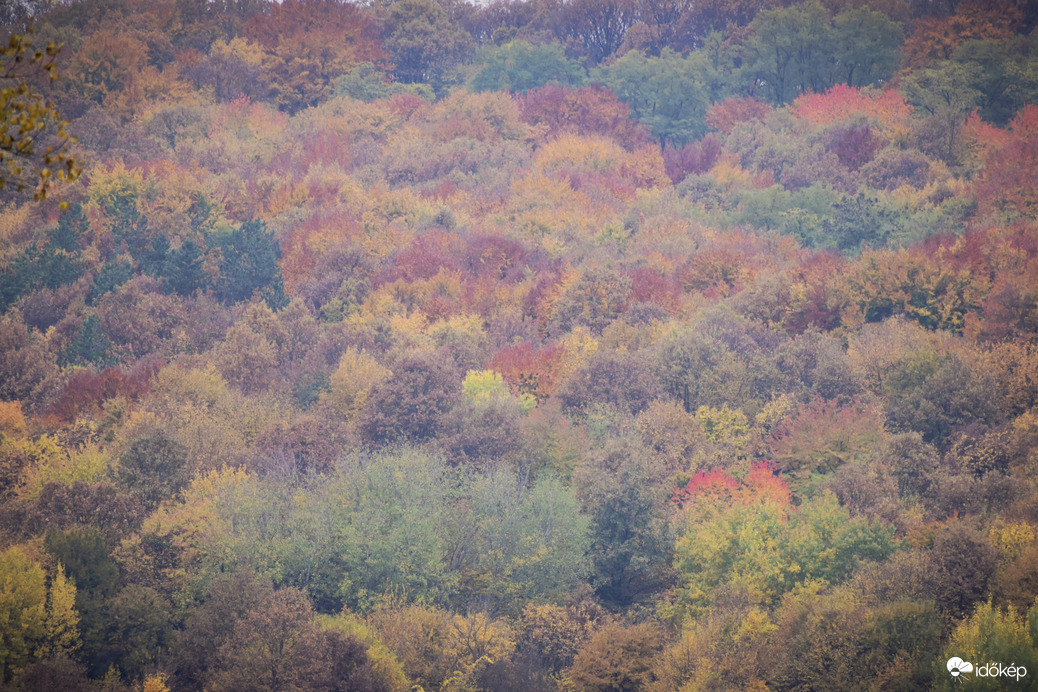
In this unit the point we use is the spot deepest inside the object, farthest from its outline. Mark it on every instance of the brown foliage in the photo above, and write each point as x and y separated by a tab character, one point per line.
277	646
937	38
85	391
592	110
723	116
617	658
24	363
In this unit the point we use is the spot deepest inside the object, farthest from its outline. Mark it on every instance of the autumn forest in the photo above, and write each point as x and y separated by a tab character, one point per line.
519	346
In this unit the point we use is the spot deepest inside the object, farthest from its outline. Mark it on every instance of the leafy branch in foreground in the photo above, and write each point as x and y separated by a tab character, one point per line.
34	139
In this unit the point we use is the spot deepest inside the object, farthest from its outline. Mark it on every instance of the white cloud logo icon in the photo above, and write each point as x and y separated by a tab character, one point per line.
957	667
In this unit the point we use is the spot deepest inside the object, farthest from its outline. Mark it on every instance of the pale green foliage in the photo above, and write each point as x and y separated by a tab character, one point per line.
867	46
803	48
371	528
665	93
391	528
946	93
518	544
518	66
365	82
789	50
423	42
395	523
620	488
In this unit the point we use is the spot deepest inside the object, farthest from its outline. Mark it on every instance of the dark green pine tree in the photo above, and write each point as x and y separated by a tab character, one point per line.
35	268
91	346
113	273
183	273
151	259
72	225
90	566
250	263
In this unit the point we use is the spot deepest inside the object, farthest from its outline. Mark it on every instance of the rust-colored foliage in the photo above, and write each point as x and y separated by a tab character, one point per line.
762	484
853	143
530	370
86	391
724	265
1006	187
406	105
936	38
812	302
716	271
322	235
841	103
495	257
1008	258
592	110
723	116
109	62
425	257
695	157
310	42
823	435
648	286
293	17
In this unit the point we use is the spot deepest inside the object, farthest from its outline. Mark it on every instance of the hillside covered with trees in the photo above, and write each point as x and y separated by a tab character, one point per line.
530	345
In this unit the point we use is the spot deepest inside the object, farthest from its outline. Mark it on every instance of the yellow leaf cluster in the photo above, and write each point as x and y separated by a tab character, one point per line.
49	462
352	382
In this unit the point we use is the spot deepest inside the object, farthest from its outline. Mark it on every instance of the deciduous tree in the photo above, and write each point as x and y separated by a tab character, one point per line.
424	43
665	93
518	67
945	92
616	658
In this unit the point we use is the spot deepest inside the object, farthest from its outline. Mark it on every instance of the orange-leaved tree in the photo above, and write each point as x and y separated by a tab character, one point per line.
1005	186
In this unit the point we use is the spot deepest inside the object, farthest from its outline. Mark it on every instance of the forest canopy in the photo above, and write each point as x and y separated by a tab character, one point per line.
525	345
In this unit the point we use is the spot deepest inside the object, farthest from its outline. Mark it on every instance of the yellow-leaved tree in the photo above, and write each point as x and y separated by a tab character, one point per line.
35	622
352	382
